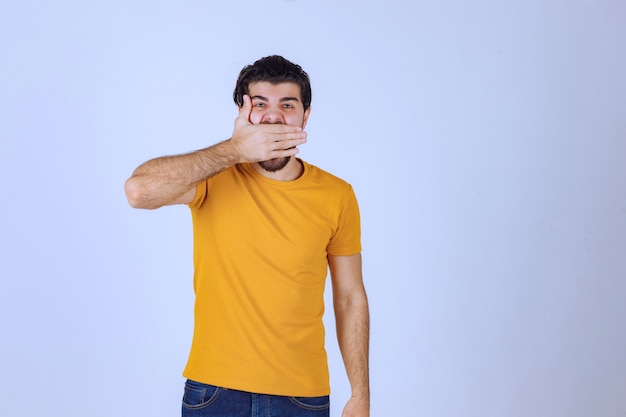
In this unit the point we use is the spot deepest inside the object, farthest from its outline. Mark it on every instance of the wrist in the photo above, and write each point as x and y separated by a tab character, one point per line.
233	151
226	152
363	395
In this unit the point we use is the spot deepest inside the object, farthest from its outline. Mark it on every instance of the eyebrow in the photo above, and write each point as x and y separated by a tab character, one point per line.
283	99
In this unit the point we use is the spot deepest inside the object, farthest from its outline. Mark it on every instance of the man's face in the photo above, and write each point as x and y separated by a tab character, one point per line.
277	104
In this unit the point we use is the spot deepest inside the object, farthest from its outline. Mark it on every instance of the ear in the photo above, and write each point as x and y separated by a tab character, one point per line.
305	118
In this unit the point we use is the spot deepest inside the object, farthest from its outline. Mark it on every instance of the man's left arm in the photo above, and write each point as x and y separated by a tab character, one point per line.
352	322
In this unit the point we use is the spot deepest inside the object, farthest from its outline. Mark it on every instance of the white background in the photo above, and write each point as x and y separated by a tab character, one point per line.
485	140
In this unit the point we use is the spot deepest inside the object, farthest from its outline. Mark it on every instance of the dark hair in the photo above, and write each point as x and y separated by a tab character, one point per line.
274	69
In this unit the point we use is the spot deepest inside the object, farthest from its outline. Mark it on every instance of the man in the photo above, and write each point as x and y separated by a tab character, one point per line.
267	226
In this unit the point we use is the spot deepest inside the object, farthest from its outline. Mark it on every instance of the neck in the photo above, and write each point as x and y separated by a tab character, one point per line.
293	170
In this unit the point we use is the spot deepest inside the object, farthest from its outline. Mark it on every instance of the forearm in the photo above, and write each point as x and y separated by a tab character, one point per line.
352	321
161	181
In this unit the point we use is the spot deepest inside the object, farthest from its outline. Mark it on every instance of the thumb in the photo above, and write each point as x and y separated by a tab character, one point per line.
244	110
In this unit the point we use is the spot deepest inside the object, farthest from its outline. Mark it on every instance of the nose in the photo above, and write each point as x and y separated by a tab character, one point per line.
272	116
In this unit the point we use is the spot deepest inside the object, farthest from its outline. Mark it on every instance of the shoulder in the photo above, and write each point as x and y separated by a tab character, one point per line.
324	177
216	181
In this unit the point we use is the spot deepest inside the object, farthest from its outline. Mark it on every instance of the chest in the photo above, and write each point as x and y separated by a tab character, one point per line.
296	224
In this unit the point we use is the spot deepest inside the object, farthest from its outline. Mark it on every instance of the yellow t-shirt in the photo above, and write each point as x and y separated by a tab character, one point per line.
260	257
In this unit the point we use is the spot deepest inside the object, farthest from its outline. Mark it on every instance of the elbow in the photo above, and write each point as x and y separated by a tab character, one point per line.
134	194
356	301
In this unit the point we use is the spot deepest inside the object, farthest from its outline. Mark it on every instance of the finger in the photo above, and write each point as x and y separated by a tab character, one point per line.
279	128
283	153
288	144
277	132
290	139
245	109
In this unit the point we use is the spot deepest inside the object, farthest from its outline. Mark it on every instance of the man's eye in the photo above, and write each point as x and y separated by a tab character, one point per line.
259	105
288	106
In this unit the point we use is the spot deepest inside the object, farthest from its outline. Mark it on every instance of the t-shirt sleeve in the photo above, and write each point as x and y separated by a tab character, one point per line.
202	190
347	237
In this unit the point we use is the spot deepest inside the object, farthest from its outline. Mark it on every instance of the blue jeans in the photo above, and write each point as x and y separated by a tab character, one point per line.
202	400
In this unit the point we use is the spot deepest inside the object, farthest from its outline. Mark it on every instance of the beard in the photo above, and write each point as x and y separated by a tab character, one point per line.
275	164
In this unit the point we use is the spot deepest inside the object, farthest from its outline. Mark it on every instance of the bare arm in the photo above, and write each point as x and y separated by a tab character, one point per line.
352	318
172	179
